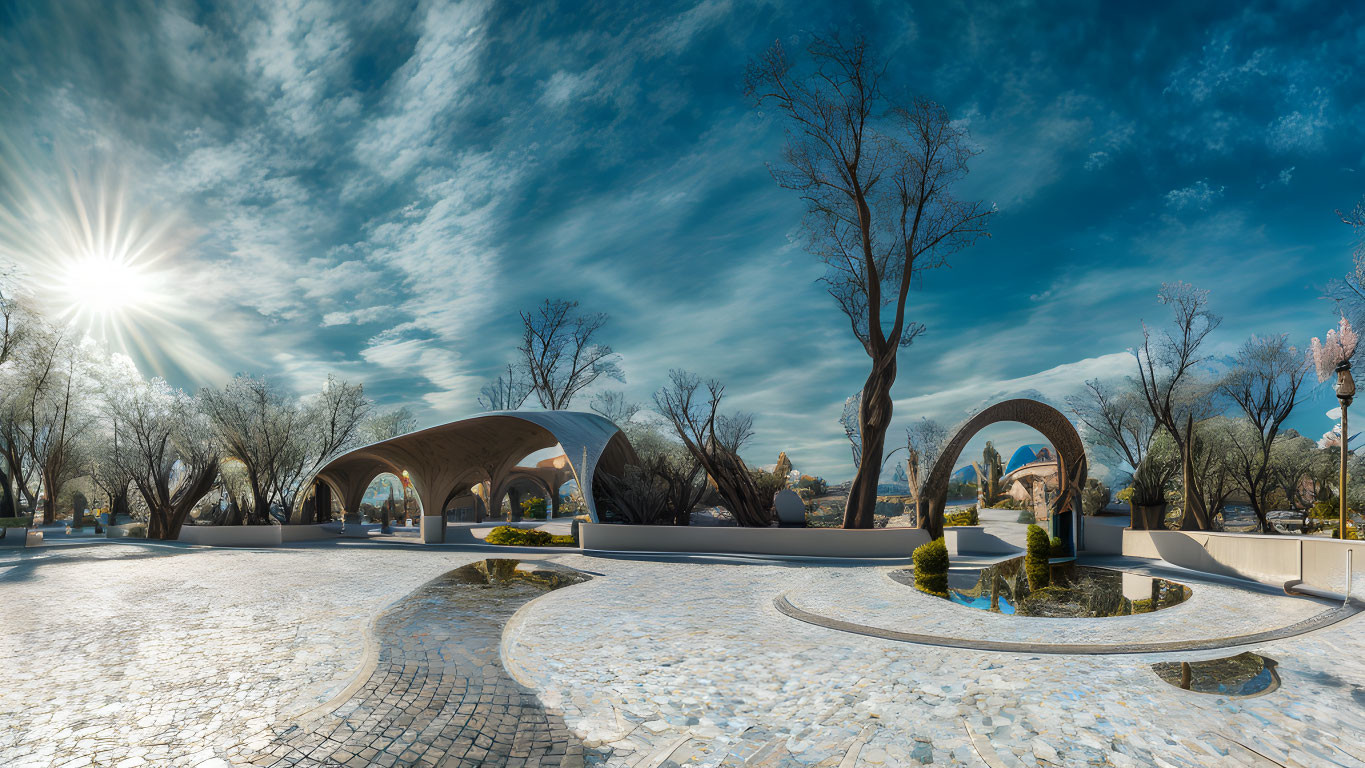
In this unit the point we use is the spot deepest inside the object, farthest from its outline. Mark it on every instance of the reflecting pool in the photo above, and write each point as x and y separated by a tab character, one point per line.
1246	674
1076	591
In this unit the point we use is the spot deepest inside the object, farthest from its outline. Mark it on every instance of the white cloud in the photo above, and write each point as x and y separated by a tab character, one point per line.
1197	196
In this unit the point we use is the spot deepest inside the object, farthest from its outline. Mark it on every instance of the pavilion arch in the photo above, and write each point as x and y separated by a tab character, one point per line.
1056	427
445	461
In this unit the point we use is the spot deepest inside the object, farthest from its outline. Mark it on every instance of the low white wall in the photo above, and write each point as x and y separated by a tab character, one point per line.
1269	559
1102	538
311	532
800	542
232	535
973	539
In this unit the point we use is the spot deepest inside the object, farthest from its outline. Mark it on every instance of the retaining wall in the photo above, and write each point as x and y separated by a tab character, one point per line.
1270	559
795	542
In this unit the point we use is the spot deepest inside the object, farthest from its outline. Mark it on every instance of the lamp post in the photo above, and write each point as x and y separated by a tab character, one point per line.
1346	390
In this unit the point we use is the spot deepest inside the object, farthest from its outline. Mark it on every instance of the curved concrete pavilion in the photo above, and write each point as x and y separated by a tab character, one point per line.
448	461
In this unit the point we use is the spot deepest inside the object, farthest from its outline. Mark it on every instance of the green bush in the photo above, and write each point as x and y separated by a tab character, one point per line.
511	536
931	568
1026	516
1035	560
16	522
1058	549
966	516
533	508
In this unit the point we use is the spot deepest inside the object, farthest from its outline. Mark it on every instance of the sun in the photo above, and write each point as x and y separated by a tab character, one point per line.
100	285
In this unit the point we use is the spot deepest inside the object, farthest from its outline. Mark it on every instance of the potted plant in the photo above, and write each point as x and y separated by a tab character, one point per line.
1148	499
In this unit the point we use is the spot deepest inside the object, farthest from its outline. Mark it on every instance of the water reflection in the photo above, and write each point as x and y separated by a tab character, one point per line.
1246	674
1076	591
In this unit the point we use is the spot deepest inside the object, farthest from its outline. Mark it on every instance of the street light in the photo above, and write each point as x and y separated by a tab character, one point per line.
1346	390
1335	355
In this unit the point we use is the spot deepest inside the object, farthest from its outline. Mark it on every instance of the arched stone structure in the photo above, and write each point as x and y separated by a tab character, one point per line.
445	460
1054	426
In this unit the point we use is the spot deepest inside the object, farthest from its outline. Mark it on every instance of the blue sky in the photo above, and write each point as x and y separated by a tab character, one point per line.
375	189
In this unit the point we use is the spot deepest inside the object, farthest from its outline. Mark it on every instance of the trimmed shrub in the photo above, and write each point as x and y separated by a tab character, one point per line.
931	568
1057	550
966	516
1027	517
1035	561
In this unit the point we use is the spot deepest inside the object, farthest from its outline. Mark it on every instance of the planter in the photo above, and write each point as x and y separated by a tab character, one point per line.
1148	517
14	537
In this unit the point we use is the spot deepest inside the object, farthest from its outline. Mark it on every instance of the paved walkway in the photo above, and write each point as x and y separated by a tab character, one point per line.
135	655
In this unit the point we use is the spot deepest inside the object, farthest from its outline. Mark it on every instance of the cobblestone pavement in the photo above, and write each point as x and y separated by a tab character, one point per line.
439	694
128	655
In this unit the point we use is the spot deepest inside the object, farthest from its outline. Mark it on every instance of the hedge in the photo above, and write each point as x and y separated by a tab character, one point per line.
511	536
931	568
1036	559
966	516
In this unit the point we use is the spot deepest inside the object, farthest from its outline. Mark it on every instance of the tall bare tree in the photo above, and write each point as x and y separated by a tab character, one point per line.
1264	384
714	440
507	392
59	390
876	175
1171	386
561	354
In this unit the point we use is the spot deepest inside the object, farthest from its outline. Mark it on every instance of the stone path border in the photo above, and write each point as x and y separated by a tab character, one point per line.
1319	621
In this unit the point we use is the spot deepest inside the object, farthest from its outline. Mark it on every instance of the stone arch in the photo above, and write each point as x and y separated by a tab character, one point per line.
1053	425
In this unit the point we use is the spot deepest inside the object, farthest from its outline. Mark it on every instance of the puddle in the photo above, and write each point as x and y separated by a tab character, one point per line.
1077	591
1246	674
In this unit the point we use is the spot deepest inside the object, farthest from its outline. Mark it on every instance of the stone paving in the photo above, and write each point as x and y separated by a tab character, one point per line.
127	655
439	694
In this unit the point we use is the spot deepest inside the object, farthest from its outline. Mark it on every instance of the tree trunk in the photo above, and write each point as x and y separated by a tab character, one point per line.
1193	517
49	510
874	417
513	505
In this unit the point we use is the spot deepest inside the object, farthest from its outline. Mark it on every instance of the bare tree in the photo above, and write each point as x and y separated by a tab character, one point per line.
714	440
1117	423
1264	384
16	326
253	420
59	389
1170	385
388	424
168	450
876	177
1350	290
325	426
560	353
507	392
852	427
924	441
614	407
